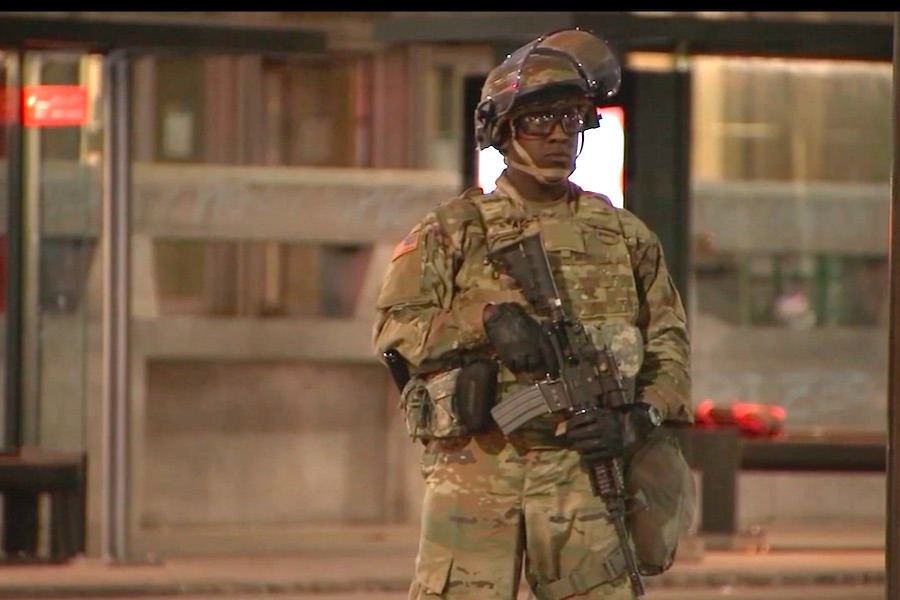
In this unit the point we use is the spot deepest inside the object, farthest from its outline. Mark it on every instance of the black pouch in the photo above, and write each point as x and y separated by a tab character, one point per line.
475	394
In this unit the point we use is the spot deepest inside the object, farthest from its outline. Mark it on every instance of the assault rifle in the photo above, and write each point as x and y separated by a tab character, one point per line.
588	378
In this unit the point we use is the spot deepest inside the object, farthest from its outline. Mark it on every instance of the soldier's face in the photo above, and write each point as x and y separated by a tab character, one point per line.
550	134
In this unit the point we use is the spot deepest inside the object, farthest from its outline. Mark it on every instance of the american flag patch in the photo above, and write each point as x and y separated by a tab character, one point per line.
407	244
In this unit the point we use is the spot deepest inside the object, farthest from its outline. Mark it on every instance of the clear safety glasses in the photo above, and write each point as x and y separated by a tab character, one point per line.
540	124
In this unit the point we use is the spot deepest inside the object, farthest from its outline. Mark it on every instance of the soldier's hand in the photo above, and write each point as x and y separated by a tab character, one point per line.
596	434
518	339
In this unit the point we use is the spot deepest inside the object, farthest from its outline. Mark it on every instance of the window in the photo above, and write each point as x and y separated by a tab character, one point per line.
790	195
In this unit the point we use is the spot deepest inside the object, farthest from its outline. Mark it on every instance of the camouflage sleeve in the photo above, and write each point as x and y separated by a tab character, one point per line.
665	378
421	312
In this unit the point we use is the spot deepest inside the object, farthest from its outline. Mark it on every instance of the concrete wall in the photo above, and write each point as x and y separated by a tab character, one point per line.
784	216
264	442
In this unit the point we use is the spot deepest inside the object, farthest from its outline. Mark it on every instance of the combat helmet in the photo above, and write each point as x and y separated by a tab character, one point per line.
568	58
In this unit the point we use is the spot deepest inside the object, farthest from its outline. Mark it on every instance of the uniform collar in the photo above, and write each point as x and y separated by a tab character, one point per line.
506	187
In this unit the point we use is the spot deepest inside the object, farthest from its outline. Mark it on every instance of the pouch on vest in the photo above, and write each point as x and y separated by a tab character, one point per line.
475	394
627	345
416	406
428	406
663	501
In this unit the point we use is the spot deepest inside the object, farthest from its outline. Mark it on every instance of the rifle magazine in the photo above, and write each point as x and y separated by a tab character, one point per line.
519	408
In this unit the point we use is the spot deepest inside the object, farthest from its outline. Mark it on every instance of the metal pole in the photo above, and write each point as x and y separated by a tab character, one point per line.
12	413
32	247
892	555
116	307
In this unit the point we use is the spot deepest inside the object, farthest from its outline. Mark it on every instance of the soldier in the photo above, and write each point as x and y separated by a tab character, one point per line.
470	338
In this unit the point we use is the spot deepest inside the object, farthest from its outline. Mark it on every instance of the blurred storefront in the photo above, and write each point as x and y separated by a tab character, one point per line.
266	182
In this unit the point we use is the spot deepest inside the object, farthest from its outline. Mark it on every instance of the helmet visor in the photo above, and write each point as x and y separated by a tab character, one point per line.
593	57
503	82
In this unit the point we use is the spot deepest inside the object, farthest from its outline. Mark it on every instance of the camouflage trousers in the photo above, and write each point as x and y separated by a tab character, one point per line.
489	505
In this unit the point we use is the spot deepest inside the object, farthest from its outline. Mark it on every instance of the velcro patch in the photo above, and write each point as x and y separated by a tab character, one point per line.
407	244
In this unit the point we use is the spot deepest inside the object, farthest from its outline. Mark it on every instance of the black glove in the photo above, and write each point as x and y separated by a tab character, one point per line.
518	339
596	434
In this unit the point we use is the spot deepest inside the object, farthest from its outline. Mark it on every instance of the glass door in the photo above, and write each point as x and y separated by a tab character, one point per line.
50	277
62	280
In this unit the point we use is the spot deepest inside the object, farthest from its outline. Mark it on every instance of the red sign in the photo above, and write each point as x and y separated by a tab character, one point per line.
54	105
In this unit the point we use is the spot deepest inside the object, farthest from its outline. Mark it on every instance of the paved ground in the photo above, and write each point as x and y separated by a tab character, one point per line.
869	592
836	564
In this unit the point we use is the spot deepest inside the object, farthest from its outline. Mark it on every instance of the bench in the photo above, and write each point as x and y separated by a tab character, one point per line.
25	475
719	454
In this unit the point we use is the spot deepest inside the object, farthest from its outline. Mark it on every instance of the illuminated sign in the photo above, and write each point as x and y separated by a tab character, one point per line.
54	105
600	166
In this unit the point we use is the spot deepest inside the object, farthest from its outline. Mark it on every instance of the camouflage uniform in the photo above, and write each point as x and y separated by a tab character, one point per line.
489	497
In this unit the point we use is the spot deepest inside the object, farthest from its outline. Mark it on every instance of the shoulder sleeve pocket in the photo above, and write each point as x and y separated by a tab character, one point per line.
403	281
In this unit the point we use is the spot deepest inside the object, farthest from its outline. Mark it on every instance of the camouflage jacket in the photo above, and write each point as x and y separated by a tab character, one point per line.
611	274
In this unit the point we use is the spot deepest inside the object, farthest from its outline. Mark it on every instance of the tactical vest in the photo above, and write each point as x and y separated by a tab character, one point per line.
592	266
591	263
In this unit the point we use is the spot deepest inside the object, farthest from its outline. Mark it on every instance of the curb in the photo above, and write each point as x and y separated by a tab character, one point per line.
223	588
200	588
713	580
